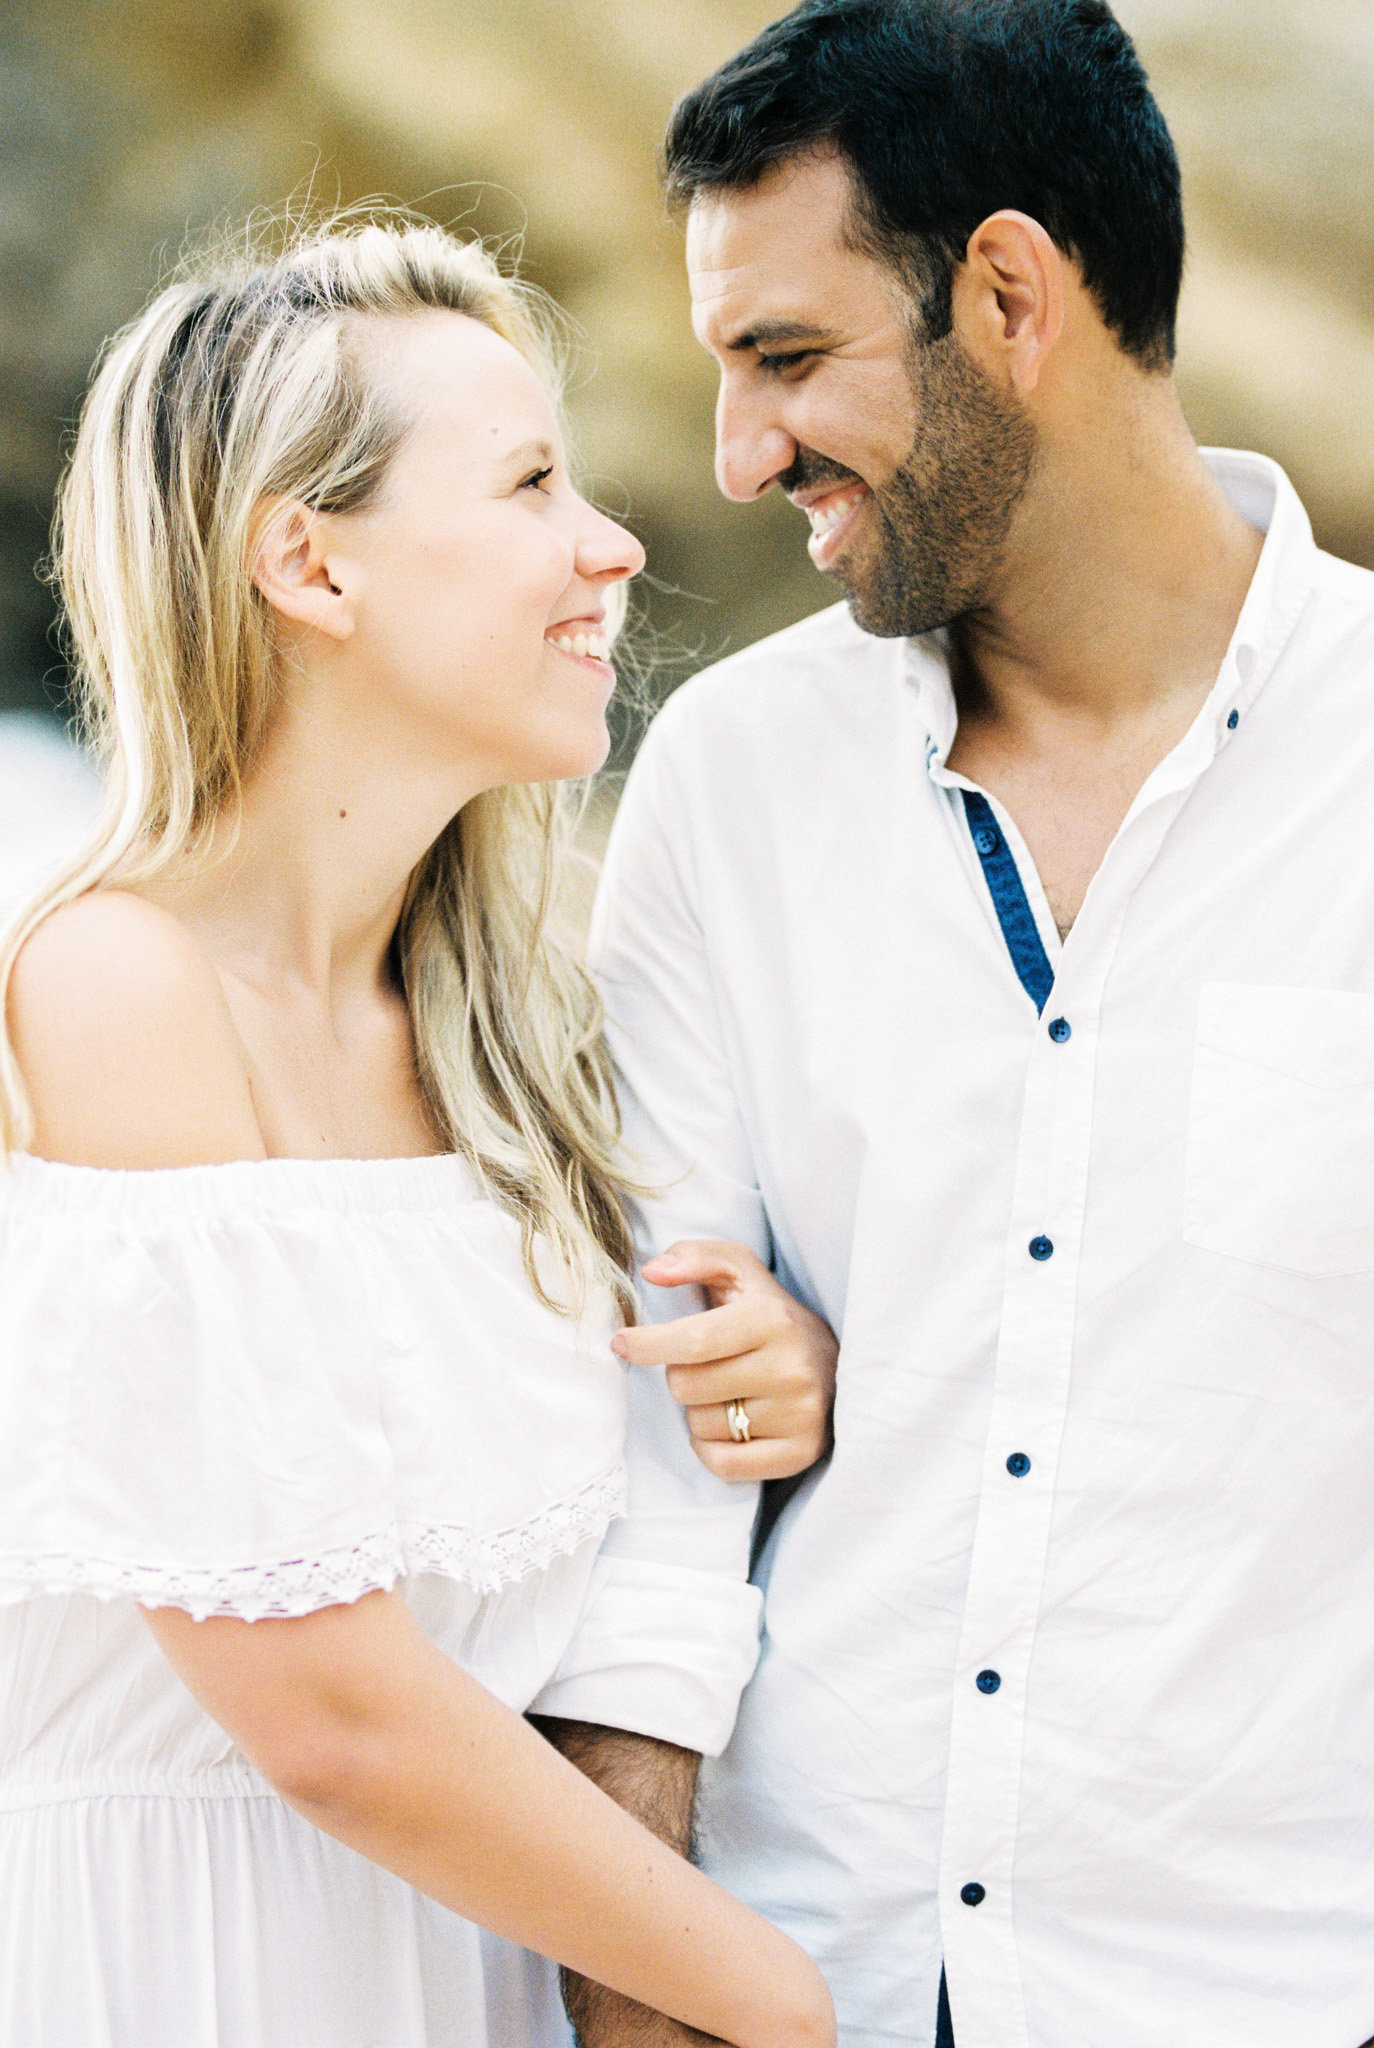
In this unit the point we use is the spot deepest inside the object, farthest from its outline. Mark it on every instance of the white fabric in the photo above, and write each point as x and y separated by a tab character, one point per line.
671	1632
262	1389
825	1049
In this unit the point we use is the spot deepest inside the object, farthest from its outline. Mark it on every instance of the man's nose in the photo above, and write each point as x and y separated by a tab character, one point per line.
752	449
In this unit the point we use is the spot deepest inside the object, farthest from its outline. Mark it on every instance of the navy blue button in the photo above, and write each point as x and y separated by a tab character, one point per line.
1061	1030
1233	721
989	1681
1018	1464
973	1894
1041	1248
986	840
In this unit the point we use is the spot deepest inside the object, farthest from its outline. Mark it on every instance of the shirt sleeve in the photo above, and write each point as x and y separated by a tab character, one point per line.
670	1635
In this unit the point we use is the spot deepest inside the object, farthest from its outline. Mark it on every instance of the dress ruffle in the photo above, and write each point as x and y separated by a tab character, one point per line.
265	1388
256	1592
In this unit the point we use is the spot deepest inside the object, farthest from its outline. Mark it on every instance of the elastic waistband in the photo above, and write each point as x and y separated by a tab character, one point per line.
17	1795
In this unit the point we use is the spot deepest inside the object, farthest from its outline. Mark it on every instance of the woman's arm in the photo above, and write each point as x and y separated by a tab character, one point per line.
371	1733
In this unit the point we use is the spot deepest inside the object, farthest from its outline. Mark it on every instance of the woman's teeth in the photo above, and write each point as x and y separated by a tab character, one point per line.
825	518
593	644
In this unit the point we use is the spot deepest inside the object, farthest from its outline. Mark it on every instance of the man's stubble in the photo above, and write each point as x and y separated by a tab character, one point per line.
943	520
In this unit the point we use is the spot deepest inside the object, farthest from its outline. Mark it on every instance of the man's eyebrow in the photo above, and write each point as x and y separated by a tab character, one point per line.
768	333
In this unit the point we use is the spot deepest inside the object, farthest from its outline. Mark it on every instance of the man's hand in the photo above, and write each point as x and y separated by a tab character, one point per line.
656	1782
753	1346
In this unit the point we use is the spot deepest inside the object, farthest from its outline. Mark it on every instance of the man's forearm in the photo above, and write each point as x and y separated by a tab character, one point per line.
656	1782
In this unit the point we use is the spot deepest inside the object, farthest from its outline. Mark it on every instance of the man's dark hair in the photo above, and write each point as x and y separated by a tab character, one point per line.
947	111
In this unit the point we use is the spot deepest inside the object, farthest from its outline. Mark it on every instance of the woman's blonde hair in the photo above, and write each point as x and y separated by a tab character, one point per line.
241	385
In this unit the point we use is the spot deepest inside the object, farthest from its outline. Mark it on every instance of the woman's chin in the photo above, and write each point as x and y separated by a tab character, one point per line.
568	754
581	758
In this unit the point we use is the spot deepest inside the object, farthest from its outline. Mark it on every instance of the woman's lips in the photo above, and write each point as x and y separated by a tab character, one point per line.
581	638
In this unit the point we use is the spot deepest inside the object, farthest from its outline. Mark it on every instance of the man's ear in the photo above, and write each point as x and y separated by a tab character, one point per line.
1010	295
290	553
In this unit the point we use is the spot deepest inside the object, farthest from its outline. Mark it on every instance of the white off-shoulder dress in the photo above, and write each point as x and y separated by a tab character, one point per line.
250	1390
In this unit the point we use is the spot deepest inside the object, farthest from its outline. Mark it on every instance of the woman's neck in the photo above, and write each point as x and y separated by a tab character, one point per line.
302	882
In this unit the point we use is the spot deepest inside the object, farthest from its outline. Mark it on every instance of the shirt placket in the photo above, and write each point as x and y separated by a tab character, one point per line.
1026	1424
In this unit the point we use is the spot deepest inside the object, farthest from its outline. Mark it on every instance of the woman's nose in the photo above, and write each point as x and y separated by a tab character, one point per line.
608	551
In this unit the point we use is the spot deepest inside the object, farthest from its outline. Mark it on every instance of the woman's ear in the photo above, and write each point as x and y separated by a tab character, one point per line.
1011	293
290	554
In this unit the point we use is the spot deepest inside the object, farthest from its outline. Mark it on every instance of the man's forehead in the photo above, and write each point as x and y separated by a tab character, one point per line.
744	306
803	204
768	256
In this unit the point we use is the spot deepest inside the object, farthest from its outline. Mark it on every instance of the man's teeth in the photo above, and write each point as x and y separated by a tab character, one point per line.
825	518
594	644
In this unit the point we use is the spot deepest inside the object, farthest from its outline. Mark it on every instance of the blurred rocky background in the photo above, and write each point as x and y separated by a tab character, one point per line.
127	124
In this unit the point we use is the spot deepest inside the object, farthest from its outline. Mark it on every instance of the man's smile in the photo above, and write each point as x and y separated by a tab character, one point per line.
832	517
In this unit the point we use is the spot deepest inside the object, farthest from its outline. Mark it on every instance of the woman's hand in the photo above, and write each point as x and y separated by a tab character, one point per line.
755	1350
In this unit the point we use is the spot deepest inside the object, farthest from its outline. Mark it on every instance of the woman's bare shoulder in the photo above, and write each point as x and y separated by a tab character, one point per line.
126	1044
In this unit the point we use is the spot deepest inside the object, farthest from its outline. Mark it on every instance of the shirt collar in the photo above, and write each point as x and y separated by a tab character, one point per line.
1263	495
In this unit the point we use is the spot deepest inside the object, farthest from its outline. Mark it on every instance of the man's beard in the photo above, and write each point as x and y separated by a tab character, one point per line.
941	524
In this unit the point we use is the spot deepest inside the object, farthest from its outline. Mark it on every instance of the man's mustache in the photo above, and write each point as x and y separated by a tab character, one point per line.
811	472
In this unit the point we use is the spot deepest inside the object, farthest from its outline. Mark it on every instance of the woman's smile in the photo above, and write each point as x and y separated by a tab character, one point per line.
584	639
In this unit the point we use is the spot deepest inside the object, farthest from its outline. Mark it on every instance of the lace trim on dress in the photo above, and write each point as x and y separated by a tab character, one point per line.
294	1586
490	1562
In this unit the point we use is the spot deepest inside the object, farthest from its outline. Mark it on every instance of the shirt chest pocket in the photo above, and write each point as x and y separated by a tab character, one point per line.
1280	1167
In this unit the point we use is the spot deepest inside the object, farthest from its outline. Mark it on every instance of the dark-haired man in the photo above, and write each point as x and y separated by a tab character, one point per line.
997	957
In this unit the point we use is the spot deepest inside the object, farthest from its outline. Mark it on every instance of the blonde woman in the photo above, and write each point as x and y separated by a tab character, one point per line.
312	1239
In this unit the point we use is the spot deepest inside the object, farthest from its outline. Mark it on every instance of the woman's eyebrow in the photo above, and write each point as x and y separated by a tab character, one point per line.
529	451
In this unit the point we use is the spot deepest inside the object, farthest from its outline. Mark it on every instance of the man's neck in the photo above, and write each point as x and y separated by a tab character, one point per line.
1123	581
1123	584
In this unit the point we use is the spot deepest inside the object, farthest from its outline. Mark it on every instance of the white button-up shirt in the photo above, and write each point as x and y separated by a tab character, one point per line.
1068	1667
